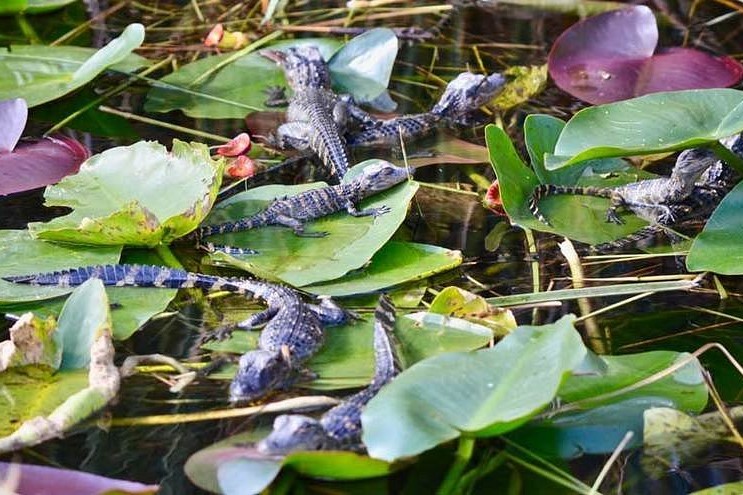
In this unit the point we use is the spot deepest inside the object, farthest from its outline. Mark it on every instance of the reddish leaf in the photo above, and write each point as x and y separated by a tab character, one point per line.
42	480
609	57
214	36
39	163
241	168
236	146
13	115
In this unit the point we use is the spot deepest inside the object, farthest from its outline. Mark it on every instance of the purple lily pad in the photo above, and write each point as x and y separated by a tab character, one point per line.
40	162
39	480
609	57
13	116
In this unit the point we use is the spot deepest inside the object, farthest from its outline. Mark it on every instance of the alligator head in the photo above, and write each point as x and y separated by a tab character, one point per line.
303	66
259	372
381	176
691	163
293	432
466	93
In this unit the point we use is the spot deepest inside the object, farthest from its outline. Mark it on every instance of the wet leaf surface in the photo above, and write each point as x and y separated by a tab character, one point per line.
109	211
40	162
609	57
716	248
649	124
39	73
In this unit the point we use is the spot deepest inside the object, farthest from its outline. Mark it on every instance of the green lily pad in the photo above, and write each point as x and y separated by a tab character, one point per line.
525	83
234	91
716	248
685	387
578	217
21	255
395	263
464	304
301	261
233	466
32	6
39	73
598	426
347	358
174	192
363	66
482	393
650	124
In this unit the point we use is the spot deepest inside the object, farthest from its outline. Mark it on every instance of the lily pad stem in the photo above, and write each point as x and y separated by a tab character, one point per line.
462	458
728	156
167	256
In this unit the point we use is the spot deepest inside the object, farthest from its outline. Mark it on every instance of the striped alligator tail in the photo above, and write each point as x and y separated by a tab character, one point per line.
386	357
325	140
257	220
134	275
544	190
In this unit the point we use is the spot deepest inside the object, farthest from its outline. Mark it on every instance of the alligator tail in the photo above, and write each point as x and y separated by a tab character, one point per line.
132	275
387	358
326	141
544	190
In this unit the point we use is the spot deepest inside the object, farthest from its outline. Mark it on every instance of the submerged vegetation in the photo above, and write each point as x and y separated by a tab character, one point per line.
539	368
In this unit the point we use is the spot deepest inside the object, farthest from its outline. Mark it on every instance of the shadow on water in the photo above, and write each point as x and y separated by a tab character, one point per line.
501	36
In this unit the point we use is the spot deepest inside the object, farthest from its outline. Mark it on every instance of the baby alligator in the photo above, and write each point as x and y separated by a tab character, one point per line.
651	199
293	331
316	116
462	97
293	211
707	194
340	427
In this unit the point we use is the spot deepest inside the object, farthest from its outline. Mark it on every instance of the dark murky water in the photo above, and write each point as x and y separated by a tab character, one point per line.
502	36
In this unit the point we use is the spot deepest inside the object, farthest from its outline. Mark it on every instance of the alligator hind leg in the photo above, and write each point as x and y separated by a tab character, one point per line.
294	135
297	226
374	212
257	319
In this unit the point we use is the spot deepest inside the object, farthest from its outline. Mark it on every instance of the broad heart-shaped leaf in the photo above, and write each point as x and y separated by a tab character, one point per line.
395	263
140	195
22	255
600	425
233	466
717	247
36	480
609	57
362	67
482	393
43	73
347	358
650	124
299	261
40	162
32	6
732	488
84	316
12	6
13	116
578	217
541	133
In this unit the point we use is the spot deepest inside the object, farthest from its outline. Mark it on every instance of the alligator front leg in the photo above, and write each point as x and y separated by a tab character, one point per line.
297	226
276	96
617	201
374	212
